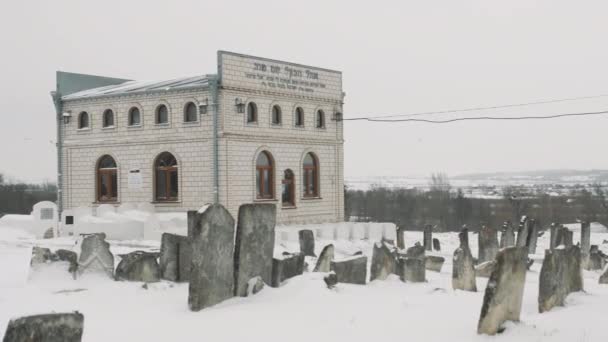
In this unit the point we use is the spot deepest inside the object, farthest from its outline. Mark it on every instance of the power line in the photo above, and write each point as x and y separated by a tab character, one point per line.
478	118
489	107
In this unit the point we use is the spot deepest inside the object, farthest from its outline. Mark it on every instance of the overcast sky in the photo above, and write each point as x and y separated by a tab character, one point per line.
397	57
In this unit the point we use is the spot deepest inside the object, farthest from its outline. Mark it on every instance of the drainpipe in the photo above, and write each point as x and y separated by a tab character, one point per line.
58	110
213	92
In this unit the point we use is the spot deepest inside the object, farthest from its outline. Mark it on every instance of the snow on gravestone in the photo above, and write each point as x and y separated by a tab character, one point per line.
488	244
433	263
55	327
463	270
507	237
307	242
254	245
504	292
383	262
325	259
138	266
522	234
352	270
560	275
211	233
95	256
285	267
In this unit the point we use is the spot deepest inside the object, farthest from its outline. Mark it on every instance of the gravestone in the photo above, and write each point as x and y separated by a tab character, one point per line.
42	256
507	237
383	262
325	259
463	270
211	234
504	292
522	233
289	266
69	256
596	260
604	277
428	238
138	266
352	270
54	327
433	263
307	242
175	257
95	256
254	245
400	238
488	244
560	275
485	269
585	243
553	231
413	270
416	251
567	237
436	244
532	237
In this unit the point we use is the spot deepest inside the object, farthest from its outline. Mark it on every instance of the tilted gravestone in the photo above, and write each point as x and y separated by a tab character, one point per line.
428	238
55	327
325	259
352	270
463	269
596	260
560	275
585	243
433	263
436	244
286	267
413	270
507	237
488	244
175	257
383	262
504	292
532	237
42	256
95	256
522	233
138	266
254	245
567	237
307	242
211	233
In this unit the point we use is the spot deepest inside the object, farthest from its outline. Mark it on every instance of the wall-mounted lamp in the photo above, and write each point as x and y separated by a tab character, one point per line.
240	105
337	115
202	107
66	117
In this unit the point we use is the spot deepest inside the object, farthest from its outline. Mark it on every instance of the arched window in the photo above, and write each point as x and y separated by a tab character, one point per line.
108	118
276	115
320	119
289	187
299	120
162	114
107	182
83	120
165	177
252	112
190	112
134	117
264	176
311	175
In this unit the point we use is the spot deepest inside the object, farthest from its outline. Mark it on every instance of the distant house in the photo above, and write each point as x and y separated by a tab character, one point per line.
259	130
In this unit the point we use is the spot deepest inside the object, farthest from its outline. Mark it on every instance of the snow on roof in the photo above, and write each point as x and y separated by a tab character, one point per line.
131	87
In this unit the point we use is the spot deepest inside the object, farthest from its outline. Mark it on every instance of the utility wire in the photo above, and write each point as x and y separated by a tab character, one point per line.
478	118
489	107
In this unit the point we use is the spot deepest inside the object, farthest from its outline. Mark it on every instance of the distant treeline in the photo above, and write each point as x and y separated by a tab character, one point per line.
449	209
18	198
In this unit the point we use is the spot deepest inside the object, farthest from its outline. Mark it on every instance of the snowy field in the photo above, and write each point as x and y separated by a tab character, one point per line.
303	309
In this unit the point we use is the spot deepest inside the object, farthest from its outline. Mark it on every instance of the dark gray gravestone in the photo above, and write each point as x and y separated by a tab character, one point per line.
413	270
383	262
352	271
436	244
287	267
463	269
488	244
604	277
138	266
307	242
504	292
596	260
254	245
428	238
553	229
400	238
507	238
175	257
567	237
522	234
325	259
416	251
55	327
211	234
532	237
559	276
585	243
485	269
433	263
95	256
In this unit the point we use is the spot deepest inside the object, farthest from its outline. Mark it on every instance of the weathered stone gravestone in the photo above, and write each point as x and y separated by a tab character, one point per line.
287	267
559	276
175	257
95	256
352	271
567	238
254	245
488	244
485	269
433	263
55	327
412	270
211	233
553	232
428	238
522	233
585	243
416	251
604	277
138	266
596	259
42	256
504	292
383	262
307	242
325	259
507	237
436	244
463	271
532	236
400	238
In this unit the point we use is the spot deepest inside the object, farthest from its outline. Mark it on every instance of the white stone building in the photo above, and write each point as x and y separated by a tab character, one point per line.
259	130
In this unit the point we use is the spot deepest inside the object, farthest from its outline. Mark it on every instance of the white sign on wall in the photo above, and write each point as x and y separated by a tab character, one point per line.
135	179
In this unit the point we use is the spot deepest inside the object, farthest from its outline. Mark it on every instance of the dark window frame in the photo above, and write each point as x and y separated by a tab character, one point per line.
276	115
251	113
288	181
299	117
157	114
168	168
189	116
108	176
320	119
310	174
261	170
82	117
108	119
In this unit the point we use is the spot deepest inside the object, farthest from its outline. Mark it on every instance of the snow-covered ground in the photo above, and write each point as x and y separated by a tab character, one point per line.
303	309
